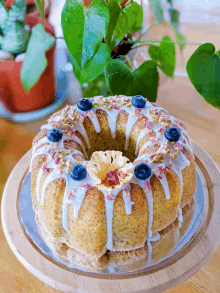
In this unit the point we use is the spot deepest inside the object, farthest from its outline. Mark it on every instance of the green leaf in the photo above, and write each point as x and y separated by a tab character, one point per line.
119	78
96	65
97	87
35	61
174	17
15	41
203	69
135	16
157	10
40	7
170	2
114	12
146	80
84	31
164	56
121	29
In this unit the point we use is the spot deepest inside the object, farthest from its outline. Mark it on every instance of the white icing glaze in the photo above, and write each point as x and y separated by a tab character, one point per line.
178	163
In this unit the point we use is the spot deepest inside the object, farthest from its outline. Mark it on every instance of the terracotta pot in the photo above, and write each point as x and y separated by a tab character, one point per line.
12	93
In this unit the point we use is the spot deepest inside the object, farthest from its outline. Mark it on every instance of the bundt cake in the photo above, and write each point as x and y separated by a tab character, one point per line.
108	173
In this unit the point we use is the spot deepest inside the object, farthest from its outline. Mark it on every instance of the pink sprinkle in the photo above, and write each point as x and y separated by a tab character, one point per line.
146	100
116	108
109	197
178	146
147	186
126	191
137	111
57	161
54	155
70	128
91	114
60	172
170	164
81	116
153	141
121	175
162	129
45	169
160	170
184	141
147	124
157	112
85	186
59	124
113	102
70	194
152	156
159	177
127	100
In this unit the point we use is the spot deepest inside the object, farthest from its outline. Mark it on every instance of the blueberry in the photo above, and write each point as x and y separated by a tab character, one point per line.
142	171
84	104
172	134
138	101
54	135
78	172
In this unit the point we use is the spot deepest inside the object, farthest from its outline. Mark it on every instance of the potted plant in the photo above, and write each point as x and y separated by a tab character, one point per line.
26	58
93	30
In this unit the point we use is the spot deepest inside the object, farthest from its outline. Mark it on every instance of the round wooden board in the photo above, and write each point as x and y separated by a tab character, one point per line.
163	276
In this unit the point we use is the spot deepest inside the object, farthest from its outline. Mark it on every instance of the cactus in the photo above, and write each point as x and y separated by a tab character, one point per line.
13	36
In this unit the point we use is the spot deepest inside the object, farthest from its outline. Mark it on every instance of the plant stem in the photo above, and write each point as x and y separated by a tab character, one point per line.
160	41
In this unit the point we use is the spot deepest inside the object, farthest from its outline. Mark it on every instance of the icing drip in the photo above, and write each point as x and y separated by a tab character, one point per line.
149	197
132	119
127	199
82	130
96	124
109	205
112	119
165	185
39	176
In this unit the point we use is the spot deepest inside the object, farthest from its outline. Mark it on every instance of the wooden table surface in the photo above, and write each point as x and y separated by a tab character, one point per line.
181	100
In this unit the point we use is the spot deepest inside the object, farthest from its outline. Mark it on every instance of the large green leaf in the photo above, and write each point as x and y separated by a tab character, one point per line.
84	30
121	80
35	61
121	29
40	7
130	18
96	65
146	80
114	12
203	69
135	16
157	10
164	56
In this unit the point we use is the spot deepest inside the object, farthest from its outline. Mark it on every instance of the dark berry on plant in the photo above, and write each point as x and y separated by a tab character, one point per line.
84	104
138	101
172	134
54	135
78	172
142	171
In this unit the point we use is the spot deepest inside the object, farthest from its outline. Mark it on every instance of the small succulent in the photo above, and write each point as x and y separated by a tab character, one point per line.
13	35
